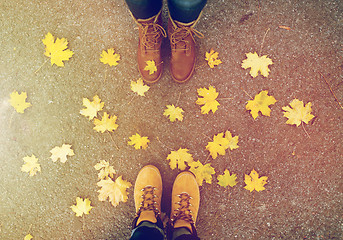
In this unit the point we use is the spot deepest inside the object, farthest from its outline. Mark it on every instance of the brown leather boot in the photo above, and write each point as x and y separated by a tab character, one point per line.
182	45
147	195
151	34
185	202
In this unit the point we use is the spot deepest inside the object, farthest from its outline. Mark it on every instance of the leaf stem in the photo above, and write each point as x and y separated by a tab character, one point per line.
200	66
35	72
302	124
334	95
206	136
253	199
247	93
158	139
208	157
224	98
105	76
11	119
230	155
113	140
263	41
83	223
178	99
131	100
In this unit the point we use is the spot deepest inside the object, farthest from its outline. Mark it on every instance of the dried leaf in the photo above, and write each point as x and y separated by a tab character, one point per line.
212	58
257	64
261	104
18	101
298	112
106	170
57	51
28	237
179	158
61	153
226	179
106	123
253	182
83	206
233	141
92	108
139	87
173	113
115	191
138	141
150	66
31	165
208	99
202	172
110	57
218	146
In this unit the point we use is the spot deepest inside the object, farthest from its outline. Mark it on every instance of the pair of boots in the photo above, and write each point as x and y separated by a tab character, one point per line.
182	43
184	203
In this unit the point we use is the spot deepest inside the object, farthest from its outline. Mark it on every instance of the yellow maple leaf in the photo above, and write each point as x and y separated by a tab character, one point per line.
18	101
115	191
139	87
92	108
150	66
298	112
257	64
179	158
218	146
233	141
253	182
208	99
56	50
212	58
31	165
227	179
106	123
110	57
106	170
83	206
173	113
138	141
202	172
261	104
61	153
28	237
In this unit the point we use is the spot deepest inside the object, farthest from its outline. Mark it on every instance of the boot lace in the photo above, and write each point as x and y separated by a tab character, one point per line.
183	212
148	201
151	35
178	37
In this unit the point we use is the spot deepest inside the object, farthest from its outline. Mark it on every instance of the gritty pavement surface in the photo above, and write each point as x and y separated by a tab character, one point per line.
303	196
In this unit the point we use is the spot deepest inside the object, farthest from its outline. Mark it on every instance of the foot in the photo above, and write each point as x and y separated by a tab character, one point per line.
151	34
147	194
182	45
185	202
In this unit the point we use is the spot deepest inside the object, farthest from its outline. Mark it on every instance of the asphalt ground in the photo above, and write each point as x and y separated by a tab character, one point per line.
303	195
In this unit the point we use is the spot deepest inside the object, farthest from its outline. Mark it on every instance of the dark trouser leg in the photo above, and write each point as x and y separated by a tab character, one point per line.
143	9
147	230
185	11
183	234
